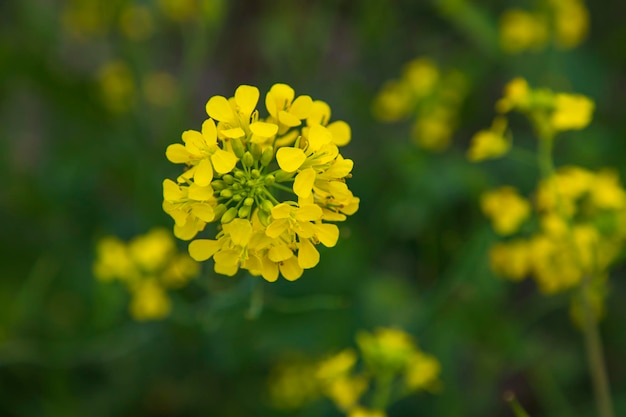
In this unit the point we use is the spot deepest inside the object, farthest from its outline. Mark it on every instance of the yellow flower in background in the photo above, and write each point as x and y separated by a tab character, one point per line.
571	111
160	88
148	265
272	185
510	259
422	372
521	30
565	22
571	22
490	144
516	94
429	95
579	233
117	86
506	209
137	22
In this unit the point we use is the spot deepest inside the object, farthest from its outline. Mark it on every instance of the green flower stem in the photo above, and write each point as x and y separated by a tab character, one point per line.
282	187
382	394
595	355
256	300
270	196
516	407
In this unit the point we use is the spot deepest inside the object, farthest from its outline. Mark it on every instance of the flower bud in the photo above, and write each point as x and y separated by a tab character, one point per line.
244	211
218	185
239	174
267	156
256	150
255	173
226	193
264	217
228	179
247	160
248	201
267	206
269	180
230	214
238	148
283	176
219	210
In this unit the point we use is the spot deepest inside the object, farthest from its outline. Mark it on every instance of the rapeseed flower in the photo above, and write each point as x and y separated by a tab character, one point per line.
432	97
564	22
506	209
148	265
578	235
272	185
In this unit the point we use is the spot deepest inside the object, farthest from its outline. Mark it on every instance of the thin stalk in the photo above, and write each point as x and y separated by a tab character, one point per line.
595	355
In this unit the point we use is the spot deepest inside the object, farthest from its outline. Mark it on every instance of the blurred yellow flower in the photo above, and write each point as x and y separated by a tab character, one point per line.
137	22
117	86
510	259
571	22
506	209
147	265
571	111
489	144
364	412
521	30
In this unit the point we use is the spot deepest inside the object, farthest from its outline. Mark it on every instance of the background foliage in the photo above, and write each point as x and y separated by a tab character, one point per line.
78	166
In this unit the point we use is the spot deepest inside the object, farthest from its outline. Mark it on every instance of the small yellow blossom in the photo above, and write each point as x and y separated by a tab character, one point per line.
148	265
521	30
516	94
117	86
571	111
429	95
511	259
506	209
293	384
571	23
489	144
422	372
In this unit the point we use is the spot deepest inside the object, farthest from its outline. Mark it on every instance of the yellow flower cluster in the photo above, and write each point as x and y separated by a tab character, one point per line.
581	228
390	357
137	21
549	112
239	167
566	22
148	265
120	91
429	96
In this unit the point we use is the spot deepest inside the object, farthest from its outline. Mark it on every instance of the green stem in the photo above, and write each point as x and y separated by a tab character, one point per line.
517	408
282	187
380	399
595	355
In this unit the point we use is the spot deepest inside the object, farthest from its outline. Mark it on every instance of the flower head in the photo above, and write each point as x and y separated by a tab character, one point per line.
272	185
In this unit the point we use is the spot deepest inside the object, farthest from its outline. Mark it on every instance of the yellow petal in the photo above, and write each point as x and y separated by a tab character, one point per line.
204	173
341	132
177	153
340	168
204	212
327	234
219	108
198	193
279	96
279	253
318	137
194	141
223	161
281	211
189	229
247	97
266	130
240	231
202	249
277	228
209	132
301	107
234	133
290	159
290	269
309	212
269	270
227	258
308	256
172	191
303	183
319	114
288	119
